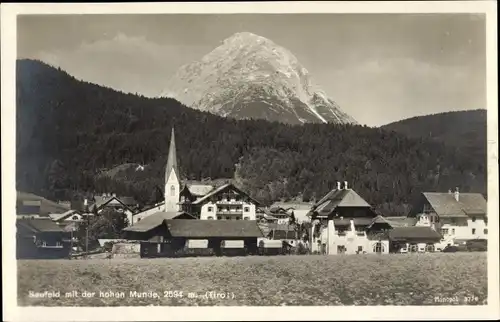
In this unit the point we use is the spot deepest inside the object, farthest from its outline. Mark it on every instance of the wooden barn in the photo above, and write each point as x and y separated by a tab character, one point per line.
41	239
174	237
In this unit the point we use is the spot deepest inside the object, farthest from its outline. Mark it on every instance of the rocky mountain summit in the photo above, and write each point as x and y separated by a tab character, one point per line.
249	76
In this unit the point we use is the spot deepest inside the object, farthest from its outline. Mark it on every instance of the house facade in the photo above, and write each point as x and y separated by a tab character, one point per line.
457	216
344	223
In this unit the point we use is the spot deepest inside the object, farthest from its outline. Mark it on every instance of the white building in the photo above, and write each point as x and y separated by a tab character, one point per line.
458	216
344	223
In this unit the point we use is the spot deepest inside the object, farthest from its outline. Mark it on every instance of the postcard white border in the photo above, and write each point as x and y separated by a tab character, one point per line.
8	37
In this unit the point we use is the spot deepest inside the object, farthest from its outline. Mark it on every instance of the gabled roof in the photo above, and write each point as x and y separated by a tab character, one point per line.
414	233
380	220
103	202
155	220
213	228
339	198
222	188
46	206
39	225
445	204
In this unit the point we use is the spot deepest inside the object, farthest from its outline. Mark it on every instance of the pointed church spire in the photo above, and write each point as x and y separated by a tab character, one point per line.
172	158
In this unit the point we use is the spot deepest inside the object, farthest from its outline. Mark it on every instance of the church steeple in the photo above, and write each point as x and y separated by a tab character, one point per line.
172	184
172	158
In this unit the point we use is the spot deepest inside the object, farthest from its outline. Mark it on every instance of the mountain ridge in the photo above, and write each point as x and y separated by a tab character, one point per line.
249	76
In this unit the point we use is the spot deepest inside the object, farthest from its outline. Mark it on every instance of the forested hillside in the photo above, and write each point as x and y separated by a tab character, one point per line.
68	131
465	130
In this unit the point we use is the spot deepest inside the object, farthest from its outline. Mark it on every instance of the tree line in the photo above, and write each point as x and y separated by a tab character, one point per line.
70	133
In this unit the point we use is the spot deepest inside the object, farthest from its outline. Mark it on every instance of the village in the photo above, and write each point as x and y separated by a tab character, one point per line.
199	219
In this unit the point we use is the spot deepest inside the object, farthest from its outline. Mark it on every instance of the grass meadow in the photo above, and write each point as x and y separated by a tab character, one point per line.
399	279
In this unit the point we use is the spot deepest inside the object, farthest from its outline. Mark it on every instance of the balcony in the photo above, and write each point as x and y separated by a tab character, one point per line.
229	202
230	212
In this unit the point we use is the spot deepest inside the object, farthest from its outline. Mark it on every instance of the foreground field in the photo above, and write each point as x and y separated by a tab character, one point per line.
414	279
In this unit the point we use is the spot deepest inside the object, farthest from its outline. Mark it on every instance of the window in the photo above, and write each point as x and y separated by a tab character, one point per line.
486	231
219	217
247	218
238	218
453	231
210	218
360	249
444	231
247	209
473	231
74	217
44	243
139	219
210	209
486	220
172	190
58	244
429	248
378	248
473	219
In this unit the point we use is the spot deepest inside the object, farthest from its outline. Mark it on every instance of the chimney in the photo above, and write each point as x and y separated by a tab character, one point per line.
457	194
338	185
345	185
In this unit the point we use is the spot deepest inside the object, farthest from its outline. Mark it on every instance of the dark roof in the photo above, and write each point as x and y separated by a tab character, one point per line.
339	198
102	202
129	201
214	228
39	225
445	204
46	206
222	188
380	220
414	233
155	220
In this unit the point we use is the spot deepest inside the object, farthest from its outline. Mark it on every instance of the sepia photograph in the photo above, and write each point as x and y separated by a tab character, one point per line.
250	159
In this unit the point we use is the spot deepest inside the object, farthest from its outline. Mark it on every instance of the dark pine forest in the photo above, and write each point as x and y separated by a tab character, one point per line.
73	137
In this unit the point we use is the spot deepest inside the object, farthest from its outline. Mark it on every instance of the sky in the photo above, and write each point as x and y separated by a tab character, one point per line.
379	68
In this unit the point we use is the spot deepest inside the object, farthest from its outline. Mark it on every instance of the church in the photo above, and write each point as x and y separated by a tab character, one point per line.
214	219
198	200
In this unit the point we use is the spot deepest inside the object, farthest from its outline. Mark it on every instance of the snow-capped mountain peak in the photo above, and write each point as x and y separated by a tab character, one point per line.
249	76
